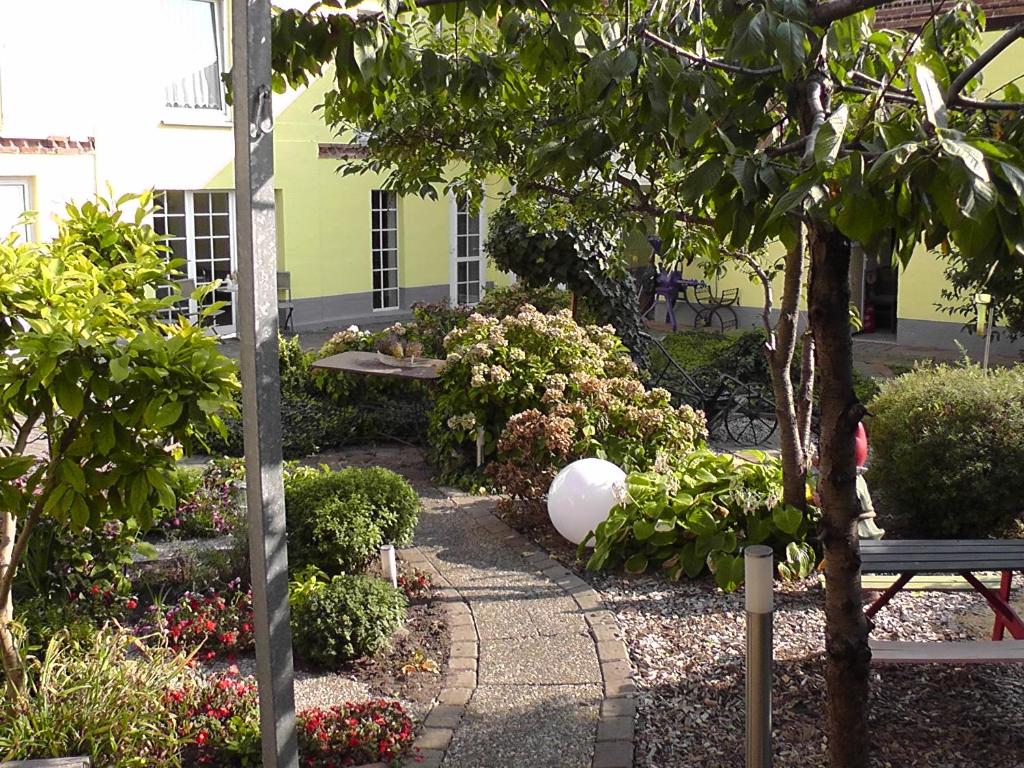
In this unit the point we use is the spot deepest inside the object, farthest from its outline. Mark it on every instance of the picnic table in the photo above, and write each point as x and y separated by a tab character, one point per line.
965	558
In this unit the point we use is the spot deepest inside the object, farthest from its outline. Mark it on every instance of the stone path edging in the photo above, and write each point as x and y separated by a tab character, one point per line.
613	737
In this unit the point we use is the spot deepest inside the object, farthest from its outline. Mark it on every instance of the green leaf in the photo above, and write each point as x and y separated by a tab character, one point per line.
829	138
636	564
789	41
787	518
1015	176
750	33
119	369
69	396
700	181
972	158
799	562
728	570
643	529
927	90
13	467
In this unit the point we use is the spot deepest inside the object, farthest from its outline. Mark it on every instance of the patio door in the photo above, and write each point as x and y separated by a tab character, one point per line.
467	272
200	229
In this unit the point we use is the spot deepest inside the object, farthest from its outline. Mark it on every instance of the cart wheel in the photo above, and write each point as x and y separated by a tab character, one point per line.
751	418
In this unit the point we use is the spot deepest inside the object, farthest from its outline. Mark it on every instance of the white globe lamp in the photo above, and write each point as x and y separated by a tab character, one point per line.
582	495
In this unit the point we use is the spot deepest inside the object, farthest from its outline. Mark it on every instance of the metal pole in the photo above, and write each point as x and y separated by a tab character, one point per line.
261	386
988	338
759	574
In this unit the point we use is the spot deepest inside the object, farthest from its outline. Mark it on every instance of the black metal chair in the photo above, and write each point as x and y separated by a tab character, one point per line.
711	310
285	303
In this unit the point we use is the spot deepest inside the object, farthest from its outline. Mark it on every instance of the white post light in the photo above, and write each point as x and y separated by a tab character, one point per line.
388	564
759	570
986	316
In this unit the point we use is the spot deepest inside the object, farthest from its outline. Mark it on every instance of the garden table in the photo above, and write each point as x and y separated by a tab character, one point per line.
368	364
427	370
962	557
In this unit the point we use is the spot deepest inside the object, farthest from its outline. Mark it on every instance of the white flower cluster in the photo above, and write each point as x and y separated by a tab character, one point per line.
465	421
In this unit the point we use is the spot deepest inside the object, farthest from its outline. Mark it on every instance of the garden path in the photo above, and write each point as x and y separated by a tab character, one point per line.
538	675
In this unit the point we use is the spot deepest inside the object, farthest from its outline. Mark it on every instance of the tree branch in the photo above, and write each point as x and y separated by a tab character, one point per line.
766	286
975	67
961	101
696	58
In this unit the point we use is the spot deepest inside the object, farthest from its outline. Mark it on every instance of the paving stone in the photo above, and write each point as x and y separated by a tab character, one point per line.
434	738
616	670
615	729
464	650
462	663
613	754
565	659
556	616
463	634
615	688
463	678
619	708
612	650
503	620
445	716
430	758
455	696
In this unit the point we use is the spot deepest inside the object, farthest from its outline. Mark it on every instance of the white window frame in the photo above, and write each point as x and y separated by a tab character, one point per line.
377	253
192	116
453	251
191	262
27	230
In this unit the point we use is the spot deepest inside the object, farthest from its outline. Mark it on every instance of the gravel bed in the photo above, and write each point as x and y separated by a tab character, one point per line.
687	642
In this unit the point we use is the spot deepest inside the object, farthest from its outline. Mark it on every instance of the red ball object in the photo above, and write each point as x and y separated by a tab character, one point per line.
861	444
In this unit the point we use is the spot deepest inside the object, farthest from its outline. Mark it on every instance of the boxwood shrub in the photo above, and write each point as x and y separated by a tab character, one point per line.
345	619
337	520
946	450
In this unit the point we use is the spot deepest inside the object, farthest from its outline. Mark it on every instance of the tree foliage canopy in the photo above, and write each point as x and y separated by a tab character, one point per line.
695	113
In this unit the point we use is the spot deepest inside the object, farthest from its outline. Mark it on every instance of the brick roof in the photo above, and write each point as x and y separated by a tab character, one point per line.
343	152
912	14
52	145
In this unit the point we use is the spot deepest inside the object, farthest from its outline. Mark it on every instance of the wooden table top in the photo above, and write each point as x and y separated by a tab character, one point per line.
367	363
941	555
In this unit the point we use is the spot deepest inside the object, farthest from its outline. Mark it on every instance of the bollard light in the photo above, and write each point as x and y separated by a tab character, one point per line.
388	565
759	568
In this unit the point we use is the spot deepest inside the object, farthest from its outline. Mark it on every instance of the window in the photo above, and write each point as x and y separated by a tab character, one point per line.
199	229
14	201
192	32
467	254
384	247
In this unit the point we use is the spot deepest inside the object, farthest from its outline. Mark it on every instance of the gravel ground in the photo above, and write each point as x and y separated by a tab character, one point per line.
687	643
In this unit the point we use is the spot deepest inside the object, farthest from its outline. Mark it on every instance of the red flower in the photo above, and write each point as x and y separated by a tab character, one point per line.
201	737
132	604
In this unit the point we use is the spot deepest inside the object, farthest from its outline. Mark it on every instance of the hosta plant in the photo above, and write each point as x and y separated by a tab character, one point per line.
700	516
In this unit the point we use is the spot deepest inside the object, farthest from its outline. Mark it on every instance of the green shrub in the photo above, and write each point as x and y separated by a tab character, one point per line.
346	619
498	368
337	520
100	698
947	450
701	515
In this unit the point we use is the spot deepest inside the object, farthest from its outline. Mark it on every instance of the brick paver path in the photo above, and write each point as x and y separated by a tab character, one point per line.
538	675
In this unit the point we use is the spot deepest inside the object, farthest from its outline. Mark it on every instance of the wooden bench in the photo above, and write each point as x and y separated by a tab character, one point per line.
952	652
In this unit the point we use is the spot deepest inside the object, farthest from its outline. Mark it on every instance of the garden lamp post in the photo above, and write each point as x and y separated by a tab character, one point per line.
261	386
759	576
983	301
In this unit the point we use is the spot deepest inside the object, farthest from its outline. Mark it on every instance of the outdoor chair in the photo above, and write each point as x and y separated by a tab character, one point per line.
285	304
715	310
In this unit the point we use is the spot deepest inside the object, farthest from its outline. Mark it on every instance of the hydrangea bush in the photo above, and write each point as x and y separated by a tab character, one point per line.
498	368
615	419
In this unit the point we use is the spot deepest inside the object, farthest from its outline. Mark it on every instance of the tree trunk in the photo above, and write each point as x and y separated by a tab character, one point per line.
780	358
13	672
846	627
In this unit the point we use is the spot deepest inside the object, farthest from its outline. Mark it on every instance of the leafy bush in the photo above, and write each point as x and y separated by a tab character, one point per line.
392	503
354	734
510	300
100	697
614	419
702	515
947	453
217	720
346	619
498	368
